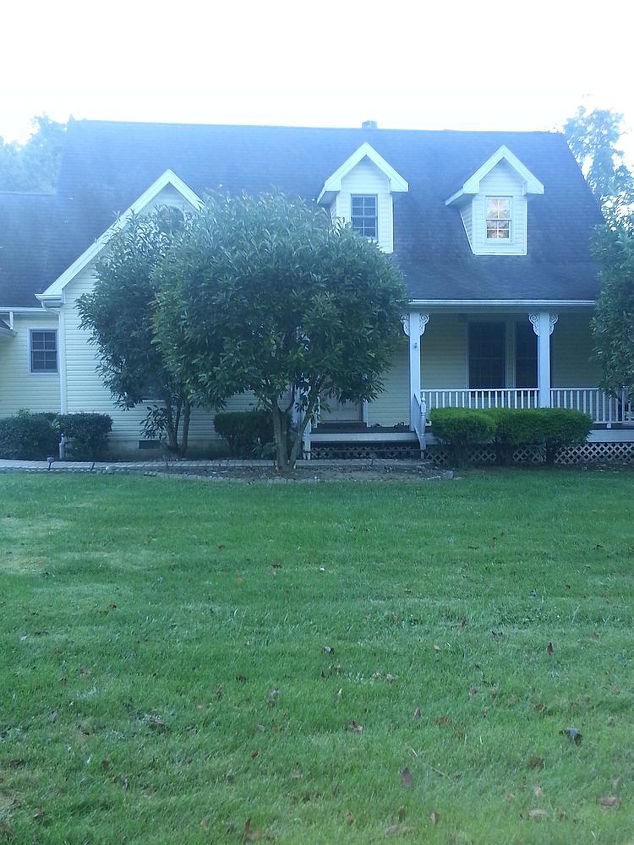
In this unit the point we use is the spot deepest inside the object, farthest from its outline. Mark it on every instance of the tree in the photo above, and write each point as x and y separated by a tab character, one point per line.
593	138
118	314
613	322
33	166
265	294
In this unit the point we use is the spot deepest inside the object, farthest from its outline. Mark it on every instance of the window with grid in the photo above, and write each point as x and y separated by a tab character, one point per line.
364	215
499	218
43	351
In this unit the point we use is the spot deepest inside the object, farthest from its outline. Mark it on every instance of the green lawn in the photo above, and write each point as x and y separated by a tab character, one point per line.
177	657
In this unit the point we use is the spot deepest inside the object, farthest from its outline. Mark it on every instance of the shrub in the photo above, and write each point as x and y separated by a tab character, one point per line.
460	428
28	437
563	427
515	427
246	432
87	433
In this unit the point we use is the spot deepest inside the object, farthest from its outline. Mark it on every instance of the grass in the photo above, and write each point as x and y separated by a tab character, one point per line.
177	657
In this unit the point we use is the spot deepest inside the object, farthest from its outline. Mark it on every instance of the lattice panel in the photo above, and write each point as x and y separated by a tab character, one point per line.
597	453
359	451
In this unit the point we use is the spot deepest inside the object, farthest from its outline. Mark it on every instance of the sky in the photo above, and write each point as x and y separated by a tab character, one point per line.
418	65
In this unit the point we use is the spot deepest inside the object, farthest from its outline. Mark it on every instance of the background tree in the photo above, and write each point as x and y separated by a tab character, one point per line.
264	294
34	165
118	314
613	322
593	138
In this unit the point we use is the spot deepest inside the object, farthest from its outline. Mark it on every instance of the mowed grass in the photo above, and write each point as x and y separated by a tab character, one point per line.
178	657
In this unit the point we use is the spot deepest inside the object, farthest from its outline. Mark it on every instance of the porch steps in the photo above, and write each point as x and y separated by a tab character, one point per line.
351	440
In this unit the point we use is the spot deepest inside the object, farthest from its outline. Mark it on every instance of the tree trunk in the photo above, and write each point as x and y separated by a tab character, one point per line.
171	429
280	423
187	410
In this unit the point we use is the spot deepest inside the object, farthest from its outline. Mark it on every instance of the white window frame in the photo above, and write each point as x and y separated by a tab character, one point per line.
487	239
30	353
376	217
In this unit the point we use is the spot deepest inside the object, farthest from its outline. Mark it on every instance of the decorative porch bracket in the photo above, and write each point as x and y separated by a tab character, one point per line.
414	325
543	324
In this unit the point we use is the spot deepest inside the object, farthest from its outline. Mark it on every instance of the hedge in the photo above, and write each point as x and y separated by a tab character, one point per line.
35	437
87	433
510	429
28	437
246	432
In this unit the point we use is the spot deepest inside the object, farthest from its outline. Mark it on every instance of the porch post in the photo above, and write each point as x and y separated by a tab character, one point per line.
543	324
414	327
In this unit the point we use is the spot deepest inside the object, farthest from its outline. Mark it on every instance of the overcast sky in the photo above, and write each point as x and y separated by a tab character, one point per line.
426	65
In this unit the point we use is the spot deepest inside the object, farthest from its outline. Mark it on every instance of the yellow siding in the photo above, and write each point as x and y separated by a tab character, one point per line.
571	351
19	387
444	353
392	406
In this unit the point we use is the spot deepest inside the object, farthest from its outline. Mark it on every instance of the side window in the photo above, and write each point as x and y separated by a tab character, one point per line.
43	351
364	216
487	356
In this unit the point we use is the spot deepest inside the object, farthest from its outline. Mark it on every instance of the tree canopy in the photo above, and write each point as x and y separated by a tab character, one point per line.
34	165
264	294
118	314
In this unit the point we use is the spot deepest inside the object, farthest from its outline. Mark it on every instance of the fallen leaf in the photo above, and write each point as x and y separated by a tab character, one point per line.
349	817
595	634
251	835
17	762
273	696
241	678
356	727
436	648
239	579
609	801
156	723
537	814
463	623
473	691
329	649
5	831
221	546
376	675
276	565
219	692
510	798
297	772
417	713
339	694
401	813
322	568
204	824
254	754
105	765
443	720
53	715
537	792
38	815
573	734
539	706
615	783
549	649
406	778
433	817
85	671
535	762
389	678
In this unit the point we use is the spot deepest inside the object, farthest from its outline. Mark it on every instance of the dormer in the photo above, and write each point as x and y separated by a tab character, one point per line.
360	192
493	205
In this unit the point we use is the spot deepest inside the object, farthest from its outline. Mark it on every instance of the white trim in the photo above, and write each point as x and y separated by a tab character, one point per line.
532	185
54	292
332	185
10	309
510	303
61	362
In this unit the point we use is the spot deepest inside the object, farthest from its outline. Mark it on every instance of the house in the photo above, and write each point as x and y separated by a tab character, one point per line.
491	231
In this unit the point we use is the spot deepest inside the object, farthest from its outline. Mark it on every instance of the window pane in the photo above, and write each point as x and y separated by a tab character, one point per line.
487	358
504	209
43	351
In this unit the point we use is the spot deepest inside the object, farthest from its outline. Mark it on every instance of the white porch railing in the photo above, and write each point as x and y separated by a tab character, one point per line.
602	407
479	399
418	420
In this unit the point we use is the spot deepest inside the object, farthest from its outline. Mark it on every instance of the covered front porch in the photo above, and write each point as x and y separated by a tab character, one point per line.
477	357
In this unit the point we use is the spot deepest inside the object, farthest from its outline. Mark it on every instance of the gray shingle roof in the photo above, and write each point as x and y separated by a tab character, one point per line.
106	166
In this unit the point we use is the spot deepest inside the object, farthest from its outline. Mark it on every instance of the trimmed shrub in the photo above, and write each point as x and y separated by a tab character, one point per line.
515	427
87	435
28	437
562	428
460	428
246	432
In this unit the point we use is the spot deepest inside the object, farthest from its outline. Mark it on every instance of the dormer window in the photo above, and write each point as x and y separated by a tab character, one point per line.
499	218
364	215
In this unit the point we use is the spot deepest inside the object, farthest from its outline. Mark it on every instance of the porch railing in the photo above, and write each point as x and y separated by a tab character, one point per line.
418	420
479	399
602	407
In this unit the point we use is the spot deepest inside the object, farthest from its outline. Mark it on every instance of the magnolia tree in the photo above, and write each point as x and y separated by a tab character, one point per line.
266	295
118	315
